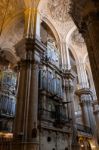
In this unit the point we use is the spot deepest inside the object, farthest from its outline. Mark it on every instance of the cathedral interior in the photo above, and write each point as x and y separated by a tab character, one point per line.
49	74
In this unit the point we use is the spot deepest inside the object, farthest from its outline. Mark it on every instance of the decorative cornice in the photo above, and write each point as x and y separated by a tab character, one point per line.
29	45
85	96
85	91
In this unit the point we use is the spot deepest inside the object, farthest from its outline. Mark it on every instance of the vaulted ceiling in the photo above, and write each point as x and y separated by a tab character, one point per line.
53	12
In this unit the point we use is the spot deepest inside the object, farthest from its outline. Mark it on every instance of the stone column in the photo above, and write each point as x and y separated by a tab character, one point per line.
33	109
91	36
86	100
65	56
68	66
82	75
96	114
38	24
92	22
85	115
88	24
22	98
25	127
84	107
70	98
85	96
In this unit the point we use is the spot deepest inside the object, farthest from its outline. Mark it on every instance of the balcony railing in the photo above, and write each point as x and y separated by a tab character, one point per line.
84	129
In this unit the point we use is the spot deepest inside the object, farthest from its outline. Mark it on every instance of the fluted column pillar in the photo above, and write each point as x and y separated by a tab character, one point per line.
32	130
96	114
25	126
88	24
65	55
86	101
82	75
85	96
84	108
91	37
85	116
38	25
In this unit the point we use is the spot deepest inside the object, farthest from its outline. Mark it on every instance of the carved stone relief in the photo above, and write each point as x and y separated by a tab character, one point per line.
59	9
77	38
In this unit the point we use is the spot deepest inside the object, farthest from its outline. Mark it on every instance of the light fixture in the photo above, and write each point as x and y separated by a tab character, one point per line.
6	135
93	146
82	145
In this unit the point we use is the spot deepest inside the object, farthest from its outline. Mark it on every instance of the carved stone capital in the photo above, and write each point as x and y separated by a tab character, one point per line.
85	91
30	50
85	96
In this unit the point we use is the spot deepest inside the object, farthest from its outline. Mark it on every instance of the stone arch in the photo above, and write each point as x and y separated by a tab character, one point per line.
57	37
69	45
69	35
85	57
74	53
56	34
